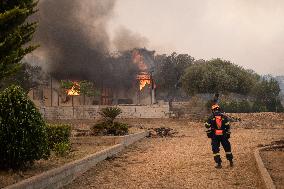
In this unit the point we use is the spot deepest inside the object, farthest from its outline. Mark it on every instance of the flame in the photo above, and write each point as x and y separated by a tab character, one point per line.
143	83
144	79
75	90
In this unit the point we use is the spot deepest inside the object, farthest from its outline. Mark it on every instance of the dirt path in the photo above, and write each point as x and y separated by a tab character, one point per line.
184	161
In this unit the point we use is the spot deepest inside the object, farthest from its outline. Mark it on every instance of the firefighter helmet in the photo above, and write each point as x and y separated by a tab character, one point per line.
215	107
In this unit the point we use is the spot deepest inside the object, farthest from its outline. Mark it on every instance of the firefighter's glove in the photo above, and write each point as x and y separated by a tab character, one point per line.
209	133
228	134
207	125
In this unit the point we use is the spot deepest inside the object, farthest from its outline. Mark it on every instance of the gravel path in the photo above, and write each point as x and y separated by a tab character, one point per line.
183	161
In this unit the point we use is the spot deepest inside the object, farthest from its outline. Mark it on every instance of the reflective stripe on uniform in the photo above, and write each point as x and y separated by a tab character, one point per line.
228	152
217	154
227	123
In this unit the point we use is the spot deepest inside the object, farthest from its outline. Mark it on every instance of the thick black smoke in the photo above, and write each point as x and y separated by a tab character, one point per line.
125	39
73	37
74	43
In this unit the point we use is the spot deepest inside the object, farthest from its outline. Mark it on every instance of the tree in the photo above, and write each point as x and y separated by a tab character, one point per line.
16	32
23	137
168	72
27	77
266	92
218	75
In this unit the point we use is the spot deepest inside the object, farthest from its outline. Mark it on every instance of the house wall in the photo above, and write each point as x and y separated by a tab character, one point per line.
51	95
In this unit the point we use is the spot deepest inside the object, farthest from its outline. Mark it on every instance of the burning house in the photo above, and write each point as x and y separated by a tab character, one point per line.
140	91
144	86
77	50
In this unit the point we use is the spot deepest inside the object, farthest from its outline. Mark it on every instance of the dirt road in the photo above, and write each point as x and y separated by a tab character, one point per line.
183	161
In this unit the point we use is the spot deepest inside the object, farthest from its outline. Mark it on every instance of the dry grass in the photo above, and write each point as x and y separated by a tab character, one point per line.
77	152
182	161
185	161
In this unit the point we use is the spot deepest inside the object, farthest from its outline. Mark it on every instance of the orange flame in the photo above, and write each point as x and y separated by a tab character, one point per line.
144	79
75	90
143	83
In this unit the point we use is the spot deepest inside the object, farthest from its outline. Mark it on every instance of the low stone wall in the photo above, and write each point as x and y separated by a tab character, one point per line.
268	182
195	107
92	112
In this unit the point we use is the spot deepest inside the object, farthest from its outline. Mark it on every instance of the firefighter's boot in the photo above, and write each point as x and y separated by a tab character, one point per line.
218	160
229	157
218	166
231	163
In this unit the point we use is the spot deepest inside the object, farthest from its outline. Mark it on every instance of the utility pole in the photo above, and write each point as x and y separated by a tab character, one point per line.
152	88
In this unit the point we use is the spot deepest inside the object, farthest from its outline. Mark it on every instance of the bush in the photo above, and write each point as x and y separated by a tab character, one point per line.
61	148
108	128
259	107
58	133
236	106
118	129
244	106
100	128
110	113
23	137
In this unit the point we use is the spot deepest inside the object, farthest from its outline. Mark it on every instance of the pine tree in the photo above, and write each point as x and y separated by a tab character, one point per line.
15	33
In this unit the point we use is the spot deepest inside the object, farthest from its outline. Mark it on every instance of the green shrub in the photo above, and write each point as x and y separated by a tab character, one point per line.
118	129
259	107
101	128
244	106
61	148
23	137
58	133
236	106
108	128
110	113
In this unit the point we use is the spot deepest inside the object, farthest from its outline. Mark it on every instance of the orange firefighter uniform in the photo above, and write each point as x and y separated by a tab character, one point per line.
218	129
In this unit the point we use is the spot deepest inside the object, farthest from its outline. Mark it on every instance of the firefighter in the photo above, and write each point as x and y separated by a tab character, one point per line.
219	131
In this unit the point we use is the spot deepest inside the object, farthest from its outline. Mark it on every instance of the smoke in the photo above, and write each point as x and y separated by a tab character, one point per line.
75	43
73	37
126	39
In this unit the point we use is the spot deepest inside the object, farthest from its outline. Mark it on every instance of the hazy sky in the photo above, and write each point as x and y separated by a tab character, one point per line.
249	33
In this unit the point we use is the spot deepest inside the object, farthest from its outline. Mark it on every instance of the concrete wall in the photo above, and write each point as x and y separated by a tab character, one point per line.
92	112
188	109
